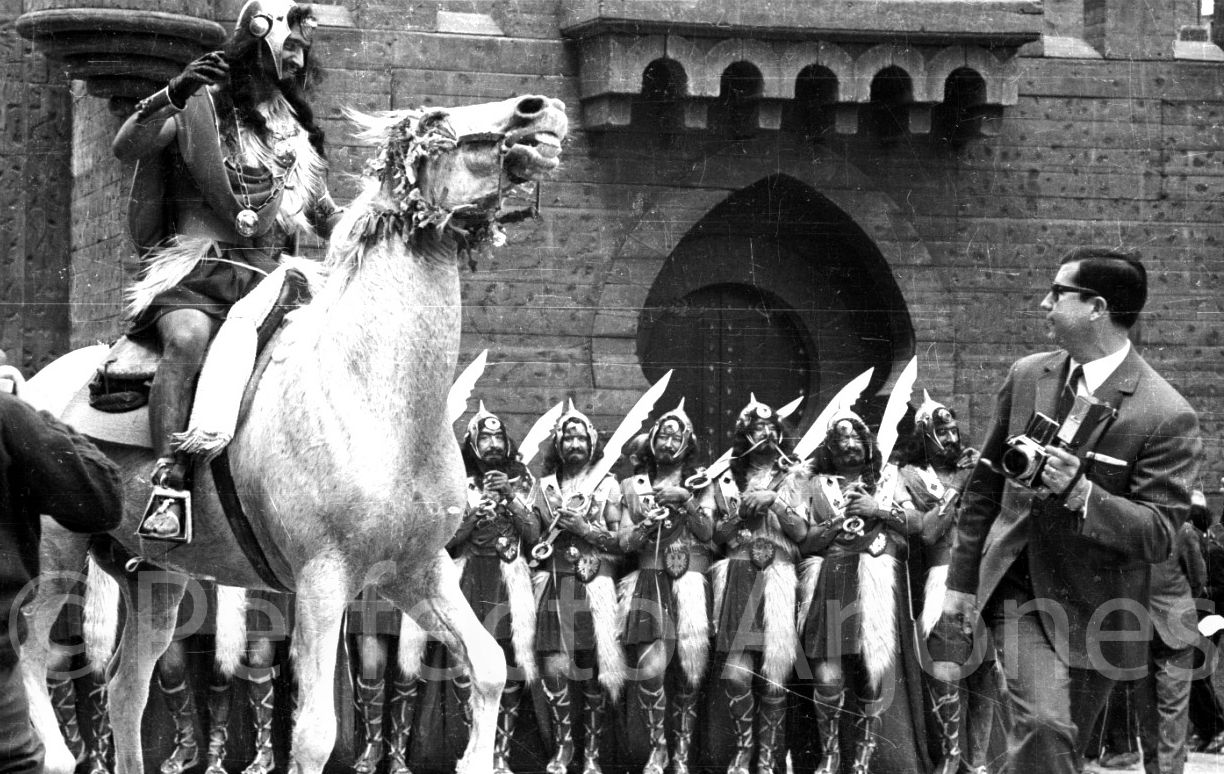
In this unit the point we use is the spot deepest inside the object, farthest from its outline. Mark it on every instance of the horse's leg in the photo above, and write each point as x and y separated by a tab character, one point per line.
474	645
62	567
152	598
322	595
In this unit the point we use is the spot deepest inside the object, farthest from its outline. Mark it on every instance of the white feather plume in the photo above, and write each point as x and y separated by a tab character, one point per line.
629	427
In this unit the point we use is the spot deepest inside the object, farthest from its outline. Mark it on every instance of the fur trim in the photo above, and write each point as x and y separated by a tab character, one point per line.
809	577
231	636
877	576
626	587
410	651
692	626
601	595
101	616
781	641
718	579
933	597
518	581
164	268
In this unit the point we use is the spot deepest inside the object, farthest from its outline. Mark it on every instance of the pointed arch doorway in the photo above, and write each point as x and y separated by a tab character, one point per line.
778	292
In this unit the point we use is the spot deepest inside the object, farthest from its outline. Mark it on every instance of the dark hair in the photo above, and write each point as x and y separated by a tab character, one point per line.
1117	277
242	51
822	458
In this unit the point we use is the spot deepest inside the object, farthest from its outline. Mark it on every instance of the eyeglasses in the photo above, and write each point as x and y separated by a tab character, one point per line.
1057	289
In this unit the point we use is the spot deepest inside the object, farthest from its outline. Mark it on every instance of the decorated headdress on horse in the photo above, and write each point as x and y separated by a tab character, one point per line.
574	416
484	421
272	21
752	412
678	416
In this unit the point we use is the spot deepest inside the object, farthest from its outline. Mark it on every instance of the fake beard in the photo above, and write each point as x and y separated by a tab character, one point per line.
944	458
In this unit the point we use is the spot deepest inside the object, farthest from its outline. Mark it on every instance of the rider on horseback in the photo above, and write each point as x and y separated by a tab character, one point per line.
231	171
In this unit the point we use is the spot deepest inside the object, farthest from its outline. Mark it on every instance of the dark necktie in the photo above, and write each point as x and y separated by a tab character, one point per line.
1067	399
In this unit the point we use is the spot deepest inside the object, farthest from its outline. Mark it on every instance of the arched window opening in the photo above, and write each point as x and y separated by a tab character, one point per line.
888	113
958	118
659	107
812	111
737	109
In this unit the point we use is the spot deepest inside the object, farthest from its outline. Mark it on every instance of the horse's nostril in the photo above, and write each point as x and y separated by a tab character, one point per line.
529	107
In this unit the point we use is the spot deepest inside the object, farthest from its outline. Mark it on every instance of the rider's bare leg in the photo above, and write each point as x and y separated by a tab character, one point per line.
184	335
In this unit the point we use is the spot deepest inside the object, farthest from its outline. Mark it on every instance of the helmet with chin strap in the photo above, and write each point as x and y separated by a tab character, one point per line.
484	421
269	21
679	416
752	412
574	416
930	418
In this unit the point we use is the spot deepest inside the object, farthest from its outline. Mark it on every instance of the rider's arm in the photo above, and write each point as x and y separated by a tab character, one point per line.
144	136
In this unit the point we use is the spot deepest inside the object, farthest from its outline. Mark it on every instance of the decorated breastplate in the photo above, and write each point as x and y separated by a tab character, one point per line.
580	555
854	534
494	530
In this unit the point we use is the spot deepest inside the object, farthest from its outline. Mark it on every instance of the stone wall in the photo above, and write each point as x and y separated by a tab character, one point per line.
1108	152
35	204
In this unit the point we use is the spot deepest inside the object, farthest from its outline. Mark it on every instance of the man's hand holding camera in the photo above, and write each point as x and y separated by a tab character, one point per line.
1061	476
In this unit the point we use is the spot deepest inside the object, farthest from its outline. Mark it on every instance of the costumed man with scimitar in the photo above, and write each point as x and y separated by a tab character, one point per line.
231	171
858	618
934	466
668	524
754	587
491	545
579	508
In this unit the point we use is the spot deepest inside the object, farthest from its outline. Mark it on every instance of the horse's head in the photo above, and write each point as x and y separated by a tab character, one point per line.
496	144
451	167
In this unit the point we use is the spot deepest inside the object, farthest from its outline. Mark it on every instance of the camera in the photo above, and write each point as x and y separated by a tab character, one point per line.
1025	456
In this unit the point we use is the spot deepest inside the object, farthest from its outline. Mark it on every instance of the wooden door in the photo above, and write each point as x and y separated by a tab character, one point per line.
724	342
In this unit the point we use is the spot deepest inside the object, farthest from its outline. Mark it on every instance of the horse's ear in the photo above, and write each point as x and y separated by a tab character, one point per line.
429	120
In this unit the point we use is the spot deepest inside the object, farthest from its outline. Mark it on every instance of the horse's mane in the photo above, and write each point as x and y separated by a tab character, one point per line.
402	139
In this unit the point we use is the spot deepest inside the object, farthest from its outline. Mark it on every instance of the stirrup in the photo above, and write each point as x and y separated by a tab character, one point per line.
161	511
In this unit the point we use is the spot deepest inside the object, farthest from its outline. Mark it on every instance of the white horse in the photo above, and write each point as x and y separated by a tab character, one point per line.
344	454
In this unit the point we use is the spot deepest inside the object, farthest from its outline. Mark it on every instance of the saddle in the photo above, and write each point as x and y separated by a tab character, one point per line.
113	405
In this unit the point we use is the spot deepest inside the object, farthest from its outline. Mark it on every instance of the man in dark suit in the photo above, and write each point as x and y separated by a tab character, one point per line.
1061	570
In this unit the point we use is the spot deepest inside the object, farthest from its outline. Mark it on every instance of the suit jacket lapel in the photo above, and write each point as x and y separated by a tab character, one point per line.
1050	383
1121	382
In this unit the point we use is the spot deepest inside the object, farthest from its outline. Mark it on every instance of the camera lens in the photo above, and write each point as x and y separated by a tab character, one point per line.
1017	462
